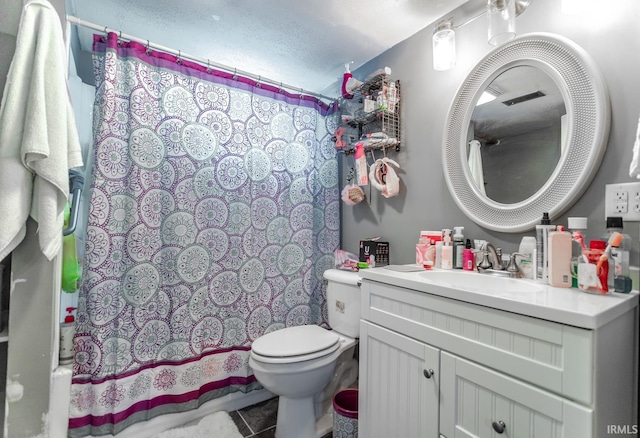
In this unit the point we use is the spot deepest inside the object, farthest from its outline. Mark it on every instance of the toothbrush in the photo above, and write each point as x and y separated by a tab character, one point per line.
614	240
578	237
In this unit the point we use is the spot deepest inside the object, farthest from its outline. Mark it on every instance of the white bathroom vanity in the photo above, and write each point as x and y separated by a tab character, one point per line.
458	355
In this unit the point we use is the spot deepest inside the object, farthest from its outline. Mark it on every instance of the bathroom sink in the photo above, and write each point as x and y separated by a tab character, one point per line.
473	281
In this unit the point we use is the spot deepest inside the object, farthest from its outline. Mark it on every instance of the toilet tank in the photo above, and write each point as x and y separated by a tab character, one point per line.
343	301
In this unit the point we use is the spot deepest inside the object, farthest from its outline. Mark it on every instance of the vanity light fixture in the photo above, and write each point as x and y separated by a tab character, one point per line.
444	46
501	13
501	17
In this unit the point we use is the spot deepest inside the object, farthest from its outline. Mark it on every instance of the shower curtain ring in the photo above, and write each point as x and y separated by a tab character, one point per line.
258	84
148	49
235	74
179	60
280	90
208	66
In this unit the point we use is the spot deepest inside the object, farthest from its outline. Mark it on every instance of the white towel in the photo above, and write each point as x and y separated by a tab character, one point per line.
475	165
634	168
38	136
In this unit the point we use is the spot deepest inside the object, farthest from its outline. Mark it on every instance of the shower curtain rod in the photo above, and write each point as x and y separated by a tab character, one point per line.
79	22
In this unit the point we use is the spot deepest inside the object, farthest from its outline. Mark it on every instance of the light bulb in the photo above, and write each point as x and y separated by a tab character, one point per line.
444	46
502	21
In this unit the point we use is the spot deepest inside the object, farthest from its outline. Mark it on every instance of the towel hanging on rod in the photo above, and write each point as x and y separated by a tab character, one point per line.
38	135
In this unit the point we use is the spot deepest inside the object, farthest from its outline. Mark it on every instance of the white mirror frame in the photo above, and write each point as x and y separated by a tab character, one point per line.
588	112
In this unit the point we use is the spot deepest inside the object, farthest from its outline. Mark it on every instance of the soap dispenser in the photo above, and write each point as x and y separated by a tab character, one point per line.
67	330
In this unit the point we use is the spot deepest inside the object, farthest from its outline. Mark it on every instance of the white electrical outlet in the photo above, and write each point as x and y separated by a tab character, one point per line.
623	200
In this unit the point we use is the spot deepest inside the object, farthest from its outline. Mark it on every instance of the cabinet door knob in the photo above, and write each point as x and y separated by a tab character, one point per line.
428	373
499	426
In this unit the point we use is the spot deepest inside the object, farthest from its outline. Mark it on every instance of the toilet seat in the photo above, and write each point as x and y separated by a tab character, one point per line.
295	344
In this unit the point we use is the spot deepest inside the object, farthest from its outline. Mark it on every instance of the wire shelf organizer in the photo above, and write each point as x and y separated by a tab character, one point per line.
373	115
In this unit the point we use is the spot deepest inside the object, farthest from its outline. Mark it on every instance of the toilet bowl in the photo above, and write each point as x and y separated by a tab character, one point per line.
297	363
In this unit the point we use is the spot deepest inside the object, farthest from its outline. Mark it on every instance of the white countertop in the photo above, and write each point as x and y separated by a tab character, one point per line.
562	305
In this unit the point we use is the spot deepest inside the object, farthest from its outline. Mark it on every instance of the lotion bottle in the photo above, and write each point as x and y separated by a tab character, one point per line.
447	250
527	250
559	257
439	254
542	242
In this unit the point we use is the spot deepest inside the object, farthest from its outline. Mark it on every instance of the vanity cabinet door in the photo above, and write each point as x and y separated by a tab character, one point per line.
480	402
399	385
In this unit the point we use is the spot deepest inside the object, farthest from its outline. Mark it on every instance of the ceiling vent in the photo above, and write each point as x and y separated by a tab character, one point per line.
523	98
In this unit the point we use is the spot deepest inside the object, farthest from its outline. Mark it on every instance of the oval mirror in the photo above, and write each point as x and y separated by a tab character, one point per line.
526	132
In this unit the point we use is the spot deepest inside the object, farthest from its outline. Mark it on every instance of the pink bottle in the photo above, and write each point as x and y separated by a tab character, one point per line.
468	259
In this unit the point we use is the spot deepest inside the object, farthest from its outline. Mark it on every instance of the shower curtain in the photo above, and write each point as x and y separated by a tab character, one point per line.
214	212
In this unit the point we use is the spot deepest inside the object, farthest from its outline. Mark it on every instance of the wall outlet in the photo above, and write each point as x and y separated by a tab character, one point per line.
623	200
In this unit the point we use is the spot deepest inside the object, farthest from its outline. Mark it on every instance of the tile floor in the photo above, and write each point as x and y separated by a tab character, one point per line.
259	420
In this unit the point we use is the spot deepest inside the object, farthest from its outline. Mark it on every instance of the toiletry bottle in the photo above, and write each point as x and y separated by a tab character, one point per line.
392	98
431	237
620	255
559	256
438	254
468	258
381	101
369	105
421	248
67	330
527	249
458	247
378	74
578	229
447	250
542	237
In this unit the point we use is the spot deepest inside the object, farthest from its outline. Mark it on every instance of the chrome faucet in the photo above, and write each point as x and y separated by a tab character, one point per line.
512	268
492	262
492	258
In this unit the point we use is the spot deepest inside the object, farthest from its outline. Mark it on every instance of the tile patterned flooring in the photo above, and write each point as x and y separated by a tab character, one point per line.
259	420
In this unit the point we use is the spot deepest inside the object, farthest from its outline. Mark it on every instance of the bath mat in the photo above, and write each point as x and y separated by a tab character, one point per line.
218	425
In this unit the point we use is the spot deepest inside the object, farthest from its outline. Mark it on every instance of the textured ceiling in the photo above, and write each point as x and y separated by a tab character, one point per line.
304	43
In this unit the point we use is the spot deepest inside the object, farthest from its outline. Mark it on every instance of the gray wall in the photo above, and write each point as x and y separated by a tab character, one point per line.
609	36
7	47
8	31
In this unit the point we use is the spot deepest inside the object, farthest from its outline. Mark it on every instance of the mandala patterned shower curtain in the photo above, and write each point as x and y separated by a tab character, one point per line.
214	212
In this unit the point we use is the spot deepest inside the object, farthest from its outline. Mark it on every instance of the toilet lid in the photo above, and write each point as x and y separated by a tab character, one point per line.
295	341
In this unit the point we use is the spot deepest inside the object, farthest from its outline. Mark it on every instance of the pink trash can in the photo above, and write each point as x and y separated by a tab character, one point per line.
345	413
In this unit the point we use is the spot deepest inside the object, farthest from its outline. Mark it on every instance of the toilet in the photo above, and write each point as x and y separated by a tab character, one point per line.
298	363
